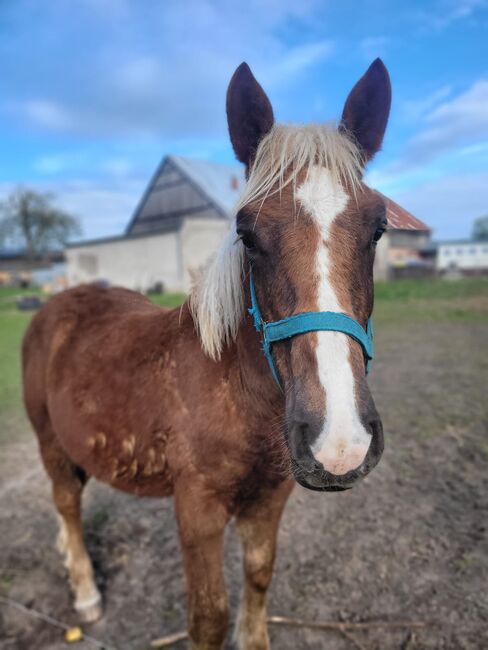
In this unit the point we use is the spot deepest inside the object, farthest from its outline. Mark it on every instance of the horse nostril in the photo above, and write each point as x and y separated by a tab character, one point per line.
377	442
375	426
302	433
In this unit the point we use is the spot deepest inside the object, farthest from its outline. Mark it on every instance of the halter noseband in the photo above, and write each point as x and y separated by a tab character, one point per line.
310	321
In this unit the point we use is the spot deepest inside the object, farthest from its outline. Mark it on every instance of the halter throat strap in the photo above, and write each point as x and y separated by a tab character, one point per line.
310	321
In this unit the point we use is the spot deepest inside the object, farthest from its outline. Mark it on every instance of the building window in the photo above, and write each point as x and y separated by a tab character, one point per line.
460	251
472	251
446	252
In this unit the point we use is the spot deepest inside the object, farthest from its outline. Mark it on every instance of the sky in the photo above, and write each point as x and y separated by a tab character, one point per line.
93	93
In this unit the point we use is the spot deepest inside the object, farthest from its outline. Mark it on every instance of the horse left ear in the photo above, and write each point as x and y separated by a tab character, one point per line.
249	113
367	108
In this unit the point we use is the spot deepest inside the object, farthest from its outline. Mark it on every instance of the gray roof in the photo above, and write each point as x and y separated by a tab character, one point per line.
221	183
187	187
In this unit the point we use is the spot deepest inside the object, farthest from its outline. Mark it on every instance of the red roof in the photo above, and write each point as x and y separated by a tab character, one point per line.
401	219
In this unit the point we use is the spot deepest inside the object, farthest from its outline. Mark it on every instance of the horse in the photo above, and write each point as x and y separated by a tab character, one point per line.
182	402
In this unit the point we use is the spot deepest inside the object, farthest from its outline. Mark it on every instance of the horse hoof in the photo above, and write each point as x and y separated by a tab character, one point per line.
90	611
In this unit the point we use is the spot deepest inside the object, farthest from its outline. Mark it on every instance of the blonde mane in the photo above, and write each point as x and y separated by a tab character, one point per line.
217	296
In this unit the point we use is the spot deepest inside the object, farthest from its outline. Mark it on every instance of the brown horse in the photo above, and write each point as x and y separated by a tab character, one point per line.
182	402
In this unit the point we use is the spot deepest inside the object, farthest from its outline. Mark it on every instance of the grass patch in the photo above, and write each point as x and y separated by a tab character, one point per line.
432	300
12	328
430	289
10	295
167	299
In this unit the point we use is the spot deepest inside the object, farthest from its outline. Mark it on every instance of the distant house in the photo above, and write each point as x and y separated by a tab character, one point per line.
181	220
17	269
465	256
401	249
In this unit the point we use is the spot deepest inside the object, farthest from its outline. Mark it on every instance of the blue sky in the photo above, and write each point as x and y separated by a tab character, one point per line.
94	92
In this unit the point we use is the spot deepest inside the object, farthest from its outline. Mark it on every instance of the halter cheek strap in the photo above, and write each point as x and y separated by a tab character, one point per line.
311	321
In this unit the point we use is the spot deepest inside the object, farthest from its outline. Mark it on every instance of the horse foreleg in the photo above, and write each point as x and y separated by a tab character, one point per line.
257	527
201	524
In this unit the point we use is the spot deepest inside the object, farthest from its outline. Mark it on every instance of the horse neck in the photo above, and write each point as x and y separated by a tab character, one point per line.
256	378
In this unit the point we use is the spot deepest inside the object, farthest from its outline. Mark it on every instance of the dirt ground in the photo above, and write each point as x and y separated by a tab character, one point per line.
410	542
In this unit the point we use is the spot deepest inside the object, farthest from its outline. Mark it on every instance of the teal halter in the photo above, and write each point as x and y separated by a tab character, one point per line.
310	321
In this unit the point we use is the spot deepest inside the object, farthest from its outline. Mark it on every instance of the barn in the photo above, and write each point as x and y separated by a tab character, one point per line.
180	221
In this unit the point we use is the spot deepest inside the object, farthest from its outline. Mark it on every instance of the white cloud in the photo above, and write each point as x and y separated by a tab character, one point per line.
475	149
158	72
458	121
413	110
472	106
45	113
104	208
83	162
448	12
58	163
299	58
449	204
373	46
118	166
140	75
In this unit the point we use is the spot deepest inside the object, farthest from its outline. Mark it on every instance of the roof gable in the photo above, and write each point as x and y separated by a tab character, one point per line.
183	187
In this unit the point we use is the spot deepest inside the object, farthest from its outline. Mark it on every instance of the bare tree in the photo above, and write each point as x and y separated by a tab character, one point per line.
31	220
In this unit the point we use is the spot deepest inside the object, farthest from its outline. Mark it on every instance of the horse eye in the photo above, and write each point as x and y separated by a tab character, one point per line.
248	240
377	235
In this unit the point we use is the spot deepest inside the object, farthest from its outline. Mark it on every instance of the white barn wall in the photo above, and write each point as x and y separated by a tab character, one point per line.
134	263
200	238
138	263
381	265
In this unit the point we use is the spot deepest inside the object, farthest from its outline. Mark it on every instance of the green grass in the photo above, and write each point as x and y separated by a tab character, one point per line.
430	289
13	324
167	299
10	295
431	300
12	327
402	302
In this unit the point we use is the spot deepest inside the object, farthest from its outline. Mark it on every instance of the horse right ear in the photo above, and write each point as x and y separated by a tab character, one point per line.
249	113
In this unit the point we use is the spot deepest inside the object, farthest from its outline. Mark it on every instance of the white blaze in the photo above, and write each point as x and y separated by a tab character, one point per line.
343	443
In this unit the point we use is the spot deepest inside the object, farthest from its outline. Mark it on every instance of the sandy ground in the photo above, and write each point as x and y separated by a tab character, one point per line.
410	542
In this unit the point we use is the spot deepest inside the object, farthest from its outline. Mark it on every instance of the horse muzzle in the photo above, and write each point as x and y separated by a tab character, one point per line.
313	474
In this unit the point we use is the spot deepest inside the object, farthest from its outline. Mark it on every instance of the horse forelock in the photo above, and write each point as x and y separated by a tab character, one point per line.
285	156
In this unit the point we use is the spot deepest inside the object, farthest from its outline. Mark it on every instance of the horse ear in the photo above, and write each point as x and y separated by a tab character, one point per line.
367	108
249	113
